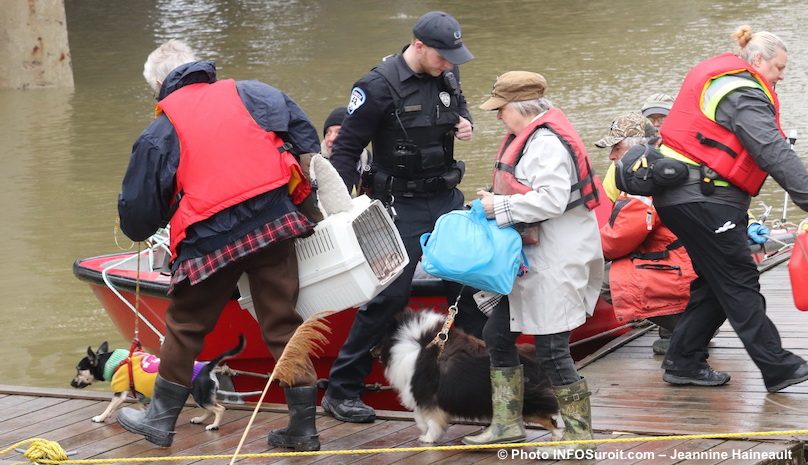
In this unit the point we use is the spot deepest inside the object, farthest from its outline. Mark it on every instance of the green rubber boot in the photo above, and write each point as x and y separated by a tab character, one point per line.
577	414
507	398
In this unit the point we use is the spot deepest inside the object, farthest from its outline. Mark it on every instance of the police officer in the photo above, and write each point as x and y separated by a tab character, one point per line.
411	107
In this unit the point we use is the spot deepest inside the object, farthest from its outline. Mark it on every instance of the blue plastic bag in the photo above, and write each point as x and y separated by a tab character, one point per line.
467	248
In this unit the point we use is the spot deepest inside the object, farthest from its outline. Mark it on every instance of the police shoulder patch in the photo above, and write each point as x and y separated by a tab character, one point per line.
357	99
445	99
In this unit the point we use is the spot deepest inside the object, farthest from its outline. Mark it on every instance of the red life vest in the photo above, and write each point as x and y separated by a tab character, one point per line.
652	279
511	151
225	156
689	132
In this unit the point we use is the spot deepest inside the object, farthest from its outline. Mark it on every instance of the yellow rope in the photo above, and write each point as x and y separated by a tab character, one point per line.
54	450
304	340
252	418
115	230
40	449
137	297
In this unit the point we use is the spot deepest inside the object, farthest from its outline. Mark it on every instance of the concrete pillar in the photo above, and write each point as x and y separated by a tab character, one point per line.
34	52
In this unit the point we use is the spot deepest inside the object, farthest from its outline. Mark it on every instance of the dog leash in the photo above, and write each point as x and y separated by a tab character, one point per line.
136	346
443	335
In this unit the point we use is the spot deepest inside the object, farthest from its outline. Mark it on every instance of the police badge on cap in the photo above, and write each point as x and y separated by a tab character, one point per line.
441	31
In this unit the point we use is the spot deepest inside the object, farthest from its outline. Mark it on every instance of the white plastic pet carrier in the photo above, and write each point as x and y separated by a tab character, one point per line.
350	258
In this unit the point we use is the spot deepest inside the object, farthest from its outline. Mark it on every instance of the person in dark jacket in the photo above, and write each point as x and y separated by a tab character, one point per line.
331	127
724	124
412	109
219	163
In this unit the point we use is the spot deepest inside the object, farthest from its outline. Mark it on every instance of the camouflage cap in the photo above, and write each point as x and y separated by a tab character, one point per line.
627	125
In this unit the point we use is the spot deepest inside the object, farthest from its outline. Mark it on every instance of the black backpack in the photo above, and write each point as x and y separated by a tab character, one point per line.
644	171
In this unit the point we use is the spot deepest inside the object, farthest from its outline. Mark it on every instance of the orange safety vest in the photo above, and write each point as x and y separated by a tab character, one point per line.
225	156
651	271
688	131
511	151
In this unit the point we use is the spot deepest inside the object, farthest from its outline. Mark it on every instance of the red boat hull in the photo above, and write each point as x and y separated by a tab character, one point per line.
234	321
256	358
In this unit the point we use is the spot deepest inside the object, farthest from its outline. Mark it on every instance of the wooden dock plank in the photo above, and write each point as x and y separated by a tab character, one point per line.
365	439
188	436
24	407
109	440
98	446
227	438
629	397
44	421
7	401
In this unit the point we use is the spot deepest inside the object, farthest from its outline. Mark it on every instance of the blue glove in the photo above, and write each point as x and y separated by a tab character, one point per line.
756	233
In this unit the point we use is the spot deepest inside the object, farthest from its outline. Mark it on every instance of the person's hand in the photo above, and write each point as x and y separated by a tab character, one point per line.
463	129
757	233
487	199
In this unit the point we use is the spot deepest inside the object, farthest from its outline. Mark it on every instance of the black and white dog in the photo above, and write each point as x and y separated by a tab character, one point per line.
103	365
456	382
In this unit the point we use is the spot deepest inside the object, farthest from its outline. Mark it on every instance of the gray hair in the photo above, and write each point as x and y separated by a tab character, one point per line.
164	59
533	107
763	44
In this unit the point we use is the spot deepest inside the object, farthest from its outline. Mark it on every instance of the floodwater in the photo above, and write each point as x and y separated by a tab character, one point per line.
64	152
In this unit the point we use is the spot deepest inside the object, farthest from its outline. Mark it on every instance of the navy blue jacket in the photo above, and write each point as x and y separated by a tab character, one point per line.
372	111
149	182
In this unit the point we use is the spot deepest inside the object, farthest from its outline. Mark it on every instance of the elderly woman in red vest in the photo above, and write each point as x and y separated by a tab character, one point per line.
543	183
725	125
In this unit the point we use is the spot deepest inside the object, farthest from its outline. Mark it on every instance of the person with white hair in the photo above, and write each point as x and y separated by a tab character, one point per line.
725	126
543	184
164	59
219	164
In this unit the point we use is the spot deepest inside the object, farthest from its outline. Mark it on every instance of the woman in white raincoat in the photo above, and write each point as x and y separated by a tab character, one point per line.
537	188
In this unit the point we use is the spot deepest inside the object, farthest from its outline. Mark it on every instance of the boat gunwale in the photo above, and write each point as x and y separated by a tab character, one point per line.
420	287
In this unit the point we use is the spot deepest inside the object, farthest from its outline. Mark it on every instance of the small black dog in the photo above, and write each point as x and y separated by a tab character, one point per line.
437	386
103	365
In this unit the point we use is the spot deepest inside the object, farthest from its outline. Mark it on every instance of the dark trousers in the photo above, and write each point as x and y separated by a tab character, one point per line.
416	215
666	324
194	310
727	287
552	350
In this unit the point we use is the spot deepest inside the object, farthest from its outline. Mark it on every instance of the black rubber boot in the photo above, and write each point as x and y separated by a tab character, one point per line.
157	422
301	433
